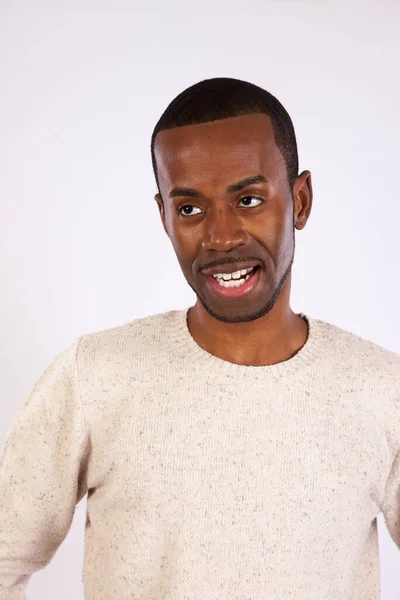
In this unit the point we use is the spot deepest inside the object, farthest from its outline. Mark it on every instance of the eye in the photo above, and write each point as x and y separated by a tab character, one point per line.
252	198
191	205
186	206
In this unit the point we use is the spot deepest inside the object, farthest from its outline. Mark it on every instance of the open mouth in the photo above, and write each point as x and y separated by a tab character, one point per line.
232	287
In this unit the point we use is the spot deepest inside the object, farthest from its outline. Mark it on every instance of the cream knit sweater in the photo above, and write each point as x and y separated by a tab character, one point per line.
206	480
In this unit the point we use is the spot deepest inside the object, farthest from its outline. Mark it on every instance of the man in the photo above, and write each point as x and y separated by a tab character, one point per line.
234	449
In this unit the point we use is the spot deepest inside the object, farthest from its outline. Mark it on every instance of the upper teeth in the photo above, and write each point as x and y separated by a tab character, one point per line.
234	275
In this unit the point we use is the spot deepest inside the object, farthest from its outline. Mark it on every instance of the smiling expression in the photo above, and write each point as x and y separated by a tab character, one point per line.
227	203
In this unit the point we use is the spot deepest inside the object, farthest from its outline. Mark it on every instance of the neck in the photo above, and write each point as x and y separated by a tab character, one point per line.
273	338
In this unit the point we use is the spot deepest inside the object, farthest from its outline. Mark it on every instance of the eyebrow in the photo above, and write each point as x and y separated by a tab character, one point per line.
234	187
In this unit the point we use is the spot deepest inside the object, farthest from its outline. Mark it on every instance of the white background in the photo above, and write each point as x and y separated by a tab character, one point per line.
82	85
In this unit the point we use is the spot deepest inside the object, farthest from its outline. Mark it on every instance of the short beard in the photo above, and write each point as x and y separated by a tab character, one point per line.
265	309
271	302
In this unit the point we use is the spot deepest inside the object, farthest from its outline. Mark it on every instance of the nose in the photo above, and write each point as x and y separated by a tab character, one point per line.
224	231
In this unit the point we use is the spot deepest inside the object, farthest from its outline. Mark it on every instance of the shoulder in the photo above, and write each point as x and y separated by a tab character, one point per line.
142	334
356	350
364	373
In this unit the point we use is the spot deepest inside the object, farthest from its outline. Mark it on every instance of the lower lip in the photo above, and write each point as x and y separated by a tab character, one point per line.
235	292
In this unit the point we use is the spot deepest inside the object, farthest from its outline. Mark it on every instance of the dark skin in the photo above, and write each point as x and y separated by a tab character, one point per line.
218	226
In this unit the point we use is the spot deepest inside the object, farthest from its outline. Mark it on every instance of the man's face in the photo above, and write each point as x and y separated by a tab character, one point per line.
212	224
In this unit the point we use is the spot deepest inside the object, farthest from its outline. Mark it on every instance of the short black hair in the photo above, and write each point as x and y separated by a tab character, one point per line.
223	97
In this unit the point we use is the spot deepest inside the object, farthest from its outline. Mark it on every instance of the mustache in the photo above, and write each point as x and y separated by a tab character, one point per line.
232	260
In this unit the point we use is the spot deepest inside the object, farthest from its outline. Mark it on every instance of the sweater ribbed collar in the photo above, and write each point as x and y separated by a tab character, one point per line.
200	359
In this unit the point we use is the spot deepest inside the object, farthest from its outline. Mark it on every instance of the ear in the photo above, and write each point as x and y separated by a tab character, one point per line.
303	197
160	205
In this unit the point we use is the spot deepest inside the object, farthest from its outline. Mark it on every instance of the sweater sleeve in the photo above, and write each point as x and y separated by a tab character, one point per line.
43	473
391	502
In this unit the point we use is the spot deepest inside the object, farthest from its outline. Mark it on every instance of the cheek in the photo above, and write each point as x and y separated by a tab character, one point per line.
278	232
286	236
183	240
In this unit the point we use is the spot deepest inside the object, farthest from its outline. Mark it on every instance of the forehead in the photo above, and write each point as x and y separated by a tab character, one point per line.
218	150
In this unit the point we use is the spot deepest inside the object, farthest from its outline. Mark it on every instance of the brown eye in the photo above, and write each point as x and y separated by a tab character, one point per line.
252	198
180	209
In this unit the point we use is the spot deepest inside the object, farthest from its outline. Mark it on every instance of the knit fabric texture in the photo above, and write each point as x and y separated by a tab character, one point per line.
204	479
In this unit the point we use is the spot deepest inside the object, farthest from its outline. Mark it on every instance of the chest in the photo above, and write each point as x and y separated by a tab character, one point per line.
259	445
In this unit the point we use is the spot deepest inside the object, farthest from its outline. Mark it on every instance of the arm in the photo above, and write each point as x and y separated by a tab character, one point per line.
43	468
391	502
